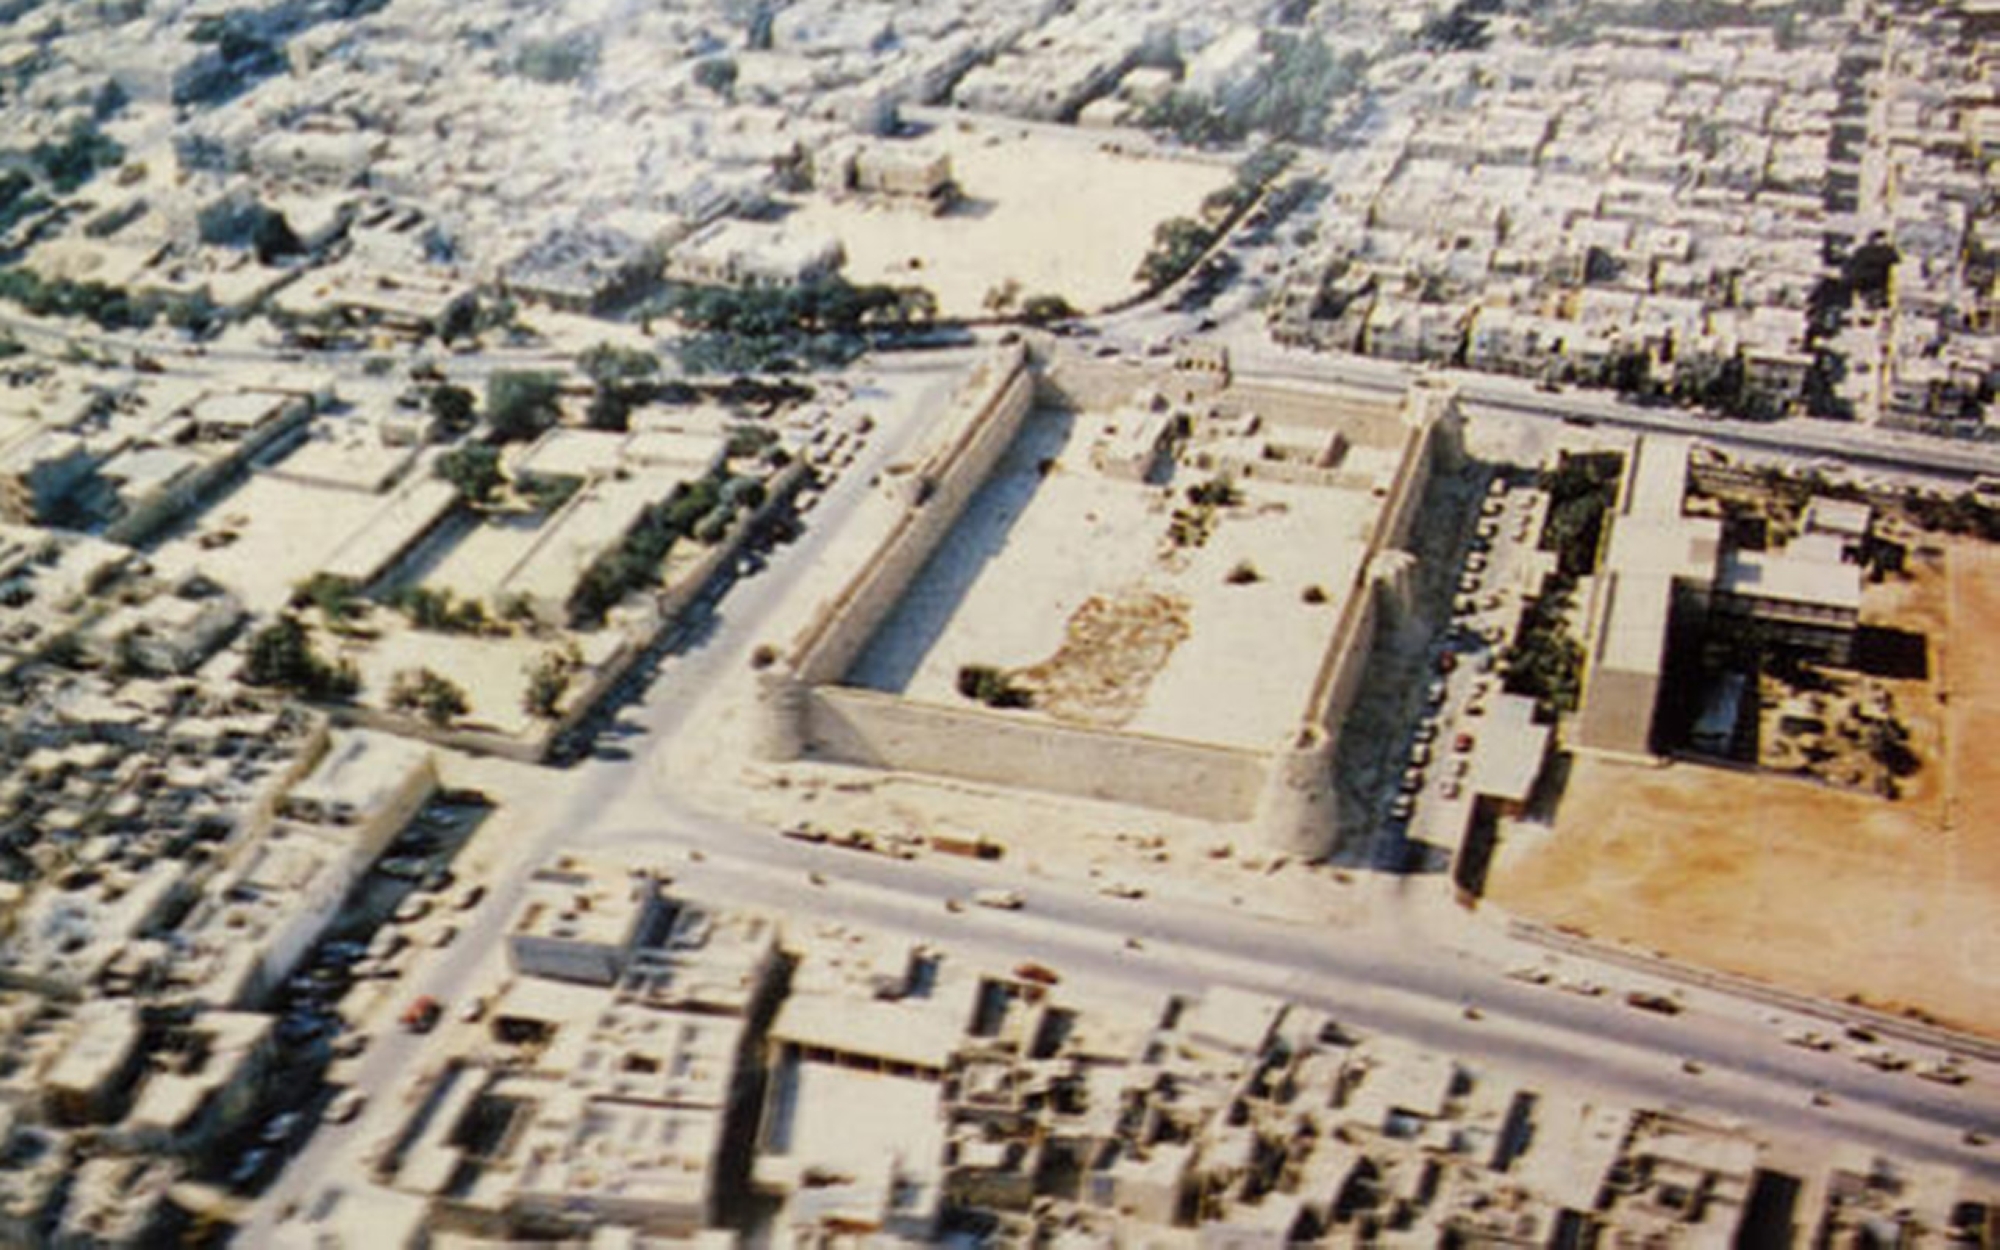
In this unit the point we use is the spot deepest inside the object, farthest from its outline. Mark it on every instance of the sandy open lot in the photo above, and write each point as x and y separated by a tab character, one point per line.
286	531
472	567
1047	208
1829	891
1031	552
491	670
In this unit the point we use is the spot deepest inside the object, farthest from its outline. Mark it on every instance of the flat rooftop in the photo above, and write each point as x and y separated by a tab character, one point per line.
1073	571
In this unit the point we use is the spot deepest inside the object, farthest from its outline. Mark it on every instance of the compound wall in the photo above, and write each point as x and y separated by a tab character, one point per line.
988	415
1285	793
877	730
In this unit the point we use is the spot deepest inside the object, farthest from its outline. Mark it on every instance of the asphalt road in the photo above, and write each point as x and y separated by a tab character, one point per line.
1398	972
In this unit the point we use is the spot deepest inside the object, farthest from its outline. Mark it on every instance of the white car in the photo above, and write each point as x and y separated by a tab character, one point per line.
1003	900
345	1106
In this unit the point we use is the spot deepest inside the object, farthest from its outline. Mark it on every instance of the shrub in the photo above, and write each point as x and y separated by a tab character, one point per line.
437	699
985	684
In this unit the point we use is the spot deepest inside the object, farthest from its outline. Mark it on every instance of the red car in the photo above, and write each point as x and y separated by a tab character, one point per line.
1037	973
1447	661
421	1016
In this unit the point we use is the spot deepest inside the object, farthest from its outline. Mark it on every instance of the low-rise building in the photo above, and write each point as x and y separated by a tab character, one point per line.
580	922
734	252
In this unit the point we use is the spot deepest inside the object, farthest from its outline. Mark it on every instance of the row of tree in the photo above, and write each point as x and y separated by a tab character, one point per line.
108	307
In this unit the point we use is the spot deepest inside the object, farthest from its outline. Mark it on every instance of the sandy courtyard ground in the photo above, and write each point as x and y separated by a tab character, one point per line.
1030	551
1050	210
286	531
493	672
1823	890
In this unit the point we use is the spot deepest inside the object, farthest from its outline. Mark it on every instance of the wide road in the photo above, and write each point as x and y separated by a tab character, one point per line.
1397	971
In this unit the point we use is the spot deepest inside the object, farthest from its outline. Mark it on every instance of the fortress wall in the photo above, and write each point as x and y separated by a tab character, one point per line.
1088	384
876	730
1298	812
943	485
1346	658
1367	420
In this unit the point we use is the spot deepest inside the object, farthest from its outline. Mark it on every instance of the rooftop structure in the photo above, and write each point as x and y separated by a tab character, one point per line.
576	922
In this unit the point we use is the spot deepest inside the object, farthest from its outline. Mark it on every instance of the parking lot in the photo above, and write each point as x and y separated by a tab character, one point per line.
1500	568
410	903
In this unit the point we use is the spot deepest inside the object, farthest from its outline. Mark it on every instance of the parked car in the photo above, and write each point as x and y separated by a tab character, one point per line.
1003	900
345	1106
421	1016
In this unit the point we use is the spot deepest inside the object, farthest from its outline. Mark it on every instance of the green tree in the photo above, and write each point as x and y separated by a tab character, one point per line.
521	403
549	679
1042	310
474	469
1177	244
282	656
454	407
717	74
439	610
437	699
336	597
607	364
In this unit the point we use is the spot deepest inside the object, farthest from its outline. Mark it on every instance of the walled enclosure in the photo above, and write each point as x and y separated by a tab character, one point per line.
1284	793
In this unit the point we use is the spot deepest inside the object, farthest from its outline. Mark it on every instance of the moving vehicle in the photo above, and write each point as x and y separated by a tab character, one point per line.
1000	899
1645	1000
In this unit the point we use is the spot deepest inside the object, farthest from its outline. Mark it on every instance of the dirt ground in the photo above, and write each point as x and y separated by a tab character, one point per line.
1047	208
1829	891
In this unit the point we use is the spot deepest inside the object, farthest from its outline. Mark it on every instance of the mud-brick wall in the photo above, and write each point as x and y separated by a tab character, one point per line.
945	484
875	730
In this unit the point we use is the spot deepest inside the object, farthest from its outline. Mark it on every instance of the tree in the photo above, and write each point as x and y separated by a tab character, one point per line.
439	610
437	699
1177	244
521	403
985	684
460	319
608	364
1001	296
549	680
282	656
336	597
454	407
717	74
474	470
1041	310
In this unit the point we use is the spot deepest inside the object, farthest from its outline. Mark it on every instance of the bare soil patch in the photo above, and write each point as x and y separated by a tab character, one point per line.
1827	890
1112	648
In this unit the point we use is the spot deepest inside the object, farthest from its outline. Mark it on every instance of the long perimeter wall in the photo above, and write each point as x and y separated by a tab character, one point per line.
877	730
1286	793
988	414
